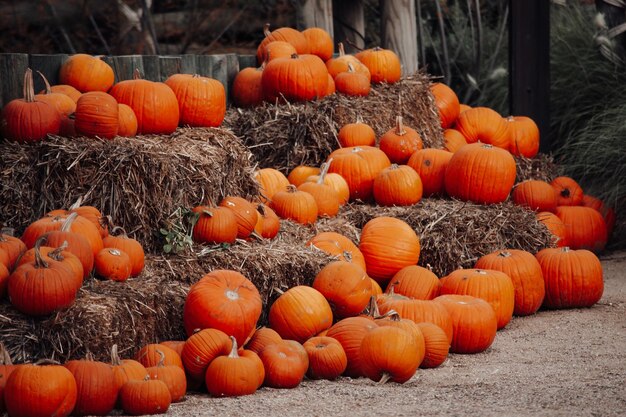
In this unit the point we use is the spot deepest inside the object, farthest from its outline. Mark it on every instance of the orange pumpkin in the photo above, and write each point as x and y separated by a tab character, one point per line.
383	64
271	181
201	100
299	174
569	192
338	65
320	42
359	166
127	121
96	390
132	247
390	353
524	136
327	359
453	140
284	365
247	90
61	102
295	205
431	164
400	142
607	212
278	49
262	337
215	225
346	286
536	195
447	104
200	349
555	226
415	282
285	34
97	114
234	374
338	245
436	345
397	185
245	214
86	73
482	124
356	134
584	227
352	83
350	332
297	78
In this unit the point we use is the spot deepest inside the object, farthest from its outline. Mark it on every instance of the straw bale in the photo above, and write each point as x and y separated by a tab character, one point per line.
284	136
138	181
542	167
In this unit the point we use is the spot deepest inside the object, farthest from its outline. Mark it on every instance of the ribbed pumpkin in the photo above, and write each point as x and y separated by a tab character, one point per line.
525	273
201	100
268	223
388	245
555	226
584	227
299	174
113	264
400	142
149	396
278	49
6	368
97	114
480	173
154	103
436	345
384	64
573	277
61	102
338	245
13	247
295	205
29	120
176	345
569	193
447	104
453	140
247	90
285	34
300	313
118	239
66	89
397	185
337	182
284	365
148	356
326	198
359	166
523	136
482	124
390	353
595	203
495	287
474	322
215	225
431	165
54	256
356	134
327	359
95	384
86	73
271	181
350	333
127	121
339	64
297	78
234	375
245	214
415	282
201	349
535	194
352	83
346	286
125	370
320	42
173	377
76	243
262	337
224	300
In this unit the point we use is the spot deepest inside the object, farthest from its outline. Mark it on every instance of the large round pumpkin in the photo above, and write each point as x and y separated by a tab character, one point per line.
346	286
390	353
447	104
482	124
585	227
297	78
247	90
97	114
86	73
285	34
96	389
384	64
431	165
397	185
524	136
201	100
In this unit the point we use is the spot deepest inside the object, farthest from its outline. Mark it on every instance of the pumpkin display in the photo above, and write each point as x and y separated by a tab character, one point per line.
453	140
493	286
285	34
555	226
325	196
125	370
29	120
118	239
201	348
245	214
388	245
63	103
154	103
595	203
270	181
474	322
397	185
390	353
346	286
480	173
80	225
224	300
356	134
145	397
268	223
359	165
350	333
233	375
127	121
352	83
86	73
299	174
247	90
262	337
173	376
400	142
339	64
447	104
523	136
327	359
113	264
320	42
431	164
201	100
39	390
284	365
338	245
297	78
383	64
584	227
482	124
300	313
525	273
536	195
215	225
573	278
569	192
415	282
96	390
296	205
436	345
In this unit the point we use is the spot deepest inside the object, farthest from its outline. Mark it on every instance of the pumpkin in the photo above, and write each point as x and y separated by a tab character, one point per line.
297	78
595	203
493	286
584	227
113	264
300	313
148	356
525	273
350	333
56	256
127	121
245	214
154	103
176	345
270	181
325	196
388	245
524	136
338	245
390	353
278	49
383	64
201	348
376	289
61	102
299	174
77	244
92	214
327	359
482	124
224	300
215	225
436	345
233	375
392	319
29	120
555	226
42	389
447	104
480	173
148	396
268	223
247	90
262	337
339	64
118	239
331	88
125	370
173	377
463	107
201	100
337	182
415	282
359	166
573	278
400	142
474	322
13	247
95	384
6	368
80	225
431	164
569	193
352	83
453	140
86	73
536	195
285	34
97	114
66	89
295	205
356	134
284	365
346	286
320	42
397	185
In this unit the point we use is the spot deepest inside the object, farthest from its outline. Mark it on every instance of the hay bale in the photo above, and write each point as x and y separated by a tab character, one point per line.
454	234
542	167
287	135
138	181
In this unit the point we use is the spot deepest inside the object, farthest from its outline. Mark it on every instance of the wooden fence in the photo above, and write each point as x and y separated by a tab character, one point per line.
152	67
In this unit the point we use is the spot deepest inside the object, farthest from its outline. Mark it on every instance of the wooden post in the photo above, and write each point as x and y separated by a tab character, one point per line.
315	13
349	23
169	65
48	65
232	68
219	69
529	63
399	31
151	67
124	66
204	66
246	61
12	70
188	64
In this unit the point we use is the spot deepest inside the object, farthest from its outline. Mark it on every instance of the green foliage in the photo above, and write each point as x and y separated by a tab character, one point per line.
177	234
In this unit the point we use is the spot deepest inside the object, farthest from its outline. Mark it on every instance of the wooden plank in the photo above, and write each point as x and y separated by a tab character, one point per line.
315	13
204	65
529	63
399	32
188	64
169	65
246	61
232	69
151	67
124	66
349	23
48	65
12	69
219	68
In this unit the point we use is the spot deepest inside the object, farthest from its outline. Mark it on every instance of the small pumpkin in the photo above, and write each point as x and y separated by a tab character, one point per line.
436	345
327	359
247	90
415	282
127	121
339	64
346	286
125	370
268	223
390	353
118	239
383	64
297	78
233	375
400	142
13	247
352	83
326	198
447	103
201	349
569	192
215	225
359	165
270	181
173	377
148	356
245	214
61	102
97	114
148	396
431	164
262	337
278	49
299	174
585	227
284	365
453	140
96	390
536	195
356	134
113	264
320	42
350	333
285	34
295	205
336	244
397	185
524	136
76	243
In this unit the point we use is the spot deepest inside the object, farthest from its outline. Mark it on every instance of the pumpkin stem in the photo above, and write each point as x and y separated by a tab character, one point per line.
566	249
347	256
278	290
350	68
161	362
5	358
41	362
372	308
386	377
233	351
56	253
504	254
45	82
266	30
359	118
136	74
116	229
115	357
393	315
67	224
399	126
256	236
77	203
89	356
342	50
294	56
28	88
39	261
207	212
292	188
323	171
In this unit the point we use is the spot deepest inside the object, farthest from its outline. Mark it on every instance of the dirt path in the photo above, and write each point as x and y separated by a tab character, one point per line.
565	363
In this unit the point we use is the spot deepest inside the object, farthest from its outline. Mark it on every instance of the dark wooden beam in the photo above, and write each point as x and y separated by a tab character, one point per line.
529	63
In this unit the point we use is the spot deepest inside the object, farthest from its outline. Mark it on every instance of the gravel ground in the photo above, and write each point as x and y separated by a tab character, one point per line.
557	363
